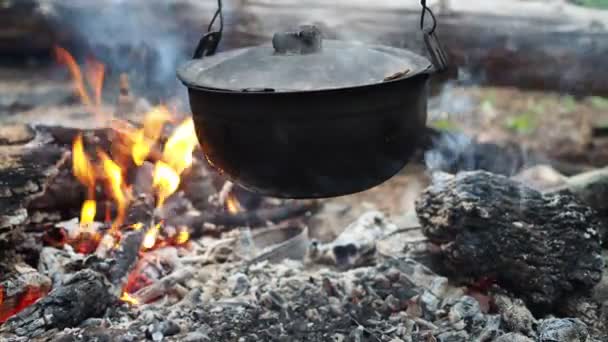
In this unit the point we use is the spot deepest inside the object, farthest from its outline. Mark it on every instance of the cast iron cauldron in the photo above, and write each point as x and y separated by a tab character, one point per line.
305	117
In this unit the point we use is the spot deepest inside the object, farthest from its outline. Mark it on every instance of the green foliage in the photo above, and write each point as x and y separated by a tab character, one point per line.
445	125
603	4
569	104
599	102
524	123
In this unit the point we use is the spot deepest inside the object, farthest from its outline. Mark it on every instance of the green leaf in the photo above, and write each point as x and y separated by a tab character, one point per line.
445	125
524	123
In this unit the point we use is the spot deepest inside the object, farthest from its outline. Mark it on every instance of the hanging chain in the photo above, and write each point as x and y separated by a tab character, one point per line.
425	10
209	42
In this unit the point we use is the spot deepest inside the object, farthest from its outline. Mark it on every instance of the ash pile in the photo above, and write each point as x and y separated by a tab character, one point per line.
485	258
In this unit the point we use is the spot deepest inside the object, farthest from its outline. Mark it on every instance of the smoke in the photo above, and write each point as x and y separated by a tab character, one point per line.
140	38
455	152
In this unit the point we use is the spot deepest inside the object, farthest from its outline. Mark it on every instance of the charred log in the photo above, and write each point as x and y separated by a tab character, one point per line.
541	247
21	288
253	218
82	296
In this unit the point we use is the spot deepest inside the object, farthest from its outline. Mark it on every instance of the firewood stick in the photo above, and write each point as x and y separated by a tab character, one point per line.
253	218
163	286
141	211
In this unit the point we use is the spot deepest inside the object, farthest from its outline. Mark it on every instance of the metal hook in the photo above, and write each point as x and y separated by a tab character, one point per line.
425	10
438	56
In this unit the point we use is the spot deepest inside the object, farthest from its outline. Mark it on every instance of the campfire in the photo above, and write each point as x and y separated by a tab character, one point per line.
121	220
130	178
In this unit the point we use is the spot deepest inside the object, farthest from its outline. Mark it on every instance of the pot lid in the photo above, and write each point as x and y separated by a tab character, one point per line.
302	61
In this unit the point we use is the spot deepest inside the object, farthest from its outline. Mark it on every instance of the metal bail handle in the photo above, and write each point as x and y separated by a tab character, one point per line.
210	41
438	56
207	45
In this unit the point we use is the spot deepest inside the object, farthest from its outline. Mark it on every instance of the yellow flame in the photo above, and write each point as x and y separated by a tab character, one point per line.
113	175
140	148
182	237
150	237
127	298
88	211
145	138
165	181
82	166
180	145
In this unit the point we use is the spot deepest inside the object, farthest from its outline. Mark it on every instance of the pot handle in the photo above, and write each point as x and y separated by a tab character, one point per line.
209	42
438	56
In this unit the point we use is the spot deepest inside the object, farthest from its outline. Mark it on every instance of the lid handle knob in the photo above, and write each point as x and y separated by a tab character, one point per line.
306	40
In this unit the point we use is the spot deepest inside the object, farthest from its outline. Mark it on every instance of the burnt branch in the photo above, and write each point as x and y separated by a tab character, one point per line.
251	218
82	296
541	247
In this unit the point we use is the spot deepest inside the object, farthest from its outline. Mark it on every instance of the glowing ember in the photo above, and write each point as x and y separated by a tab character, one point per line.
233	205
180	145
113	174
31	295
150	238
165	182
127	298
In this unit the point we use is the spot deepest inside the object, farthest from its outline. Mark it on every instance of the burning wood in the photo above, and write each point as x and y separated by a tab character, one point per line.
82	296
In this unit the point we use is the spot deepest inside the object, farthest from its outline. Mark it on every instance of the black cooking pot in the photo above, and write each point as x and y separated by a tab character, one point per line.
305	117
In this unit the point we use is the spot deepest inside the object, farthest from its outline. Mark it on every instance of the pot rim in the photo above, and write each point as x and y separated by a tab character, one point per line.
259	92
428	70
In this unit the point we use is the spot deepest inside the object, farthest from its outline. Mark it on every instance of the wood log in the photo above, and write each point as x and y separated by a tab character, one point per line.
541	247
82	296
24	172
519	43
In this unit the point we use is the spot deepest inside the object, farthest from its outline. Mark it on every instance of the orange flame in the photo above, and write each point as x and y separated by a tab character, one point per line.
233	205
114	178
127	298
95	76
165	181
180	146
64	57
